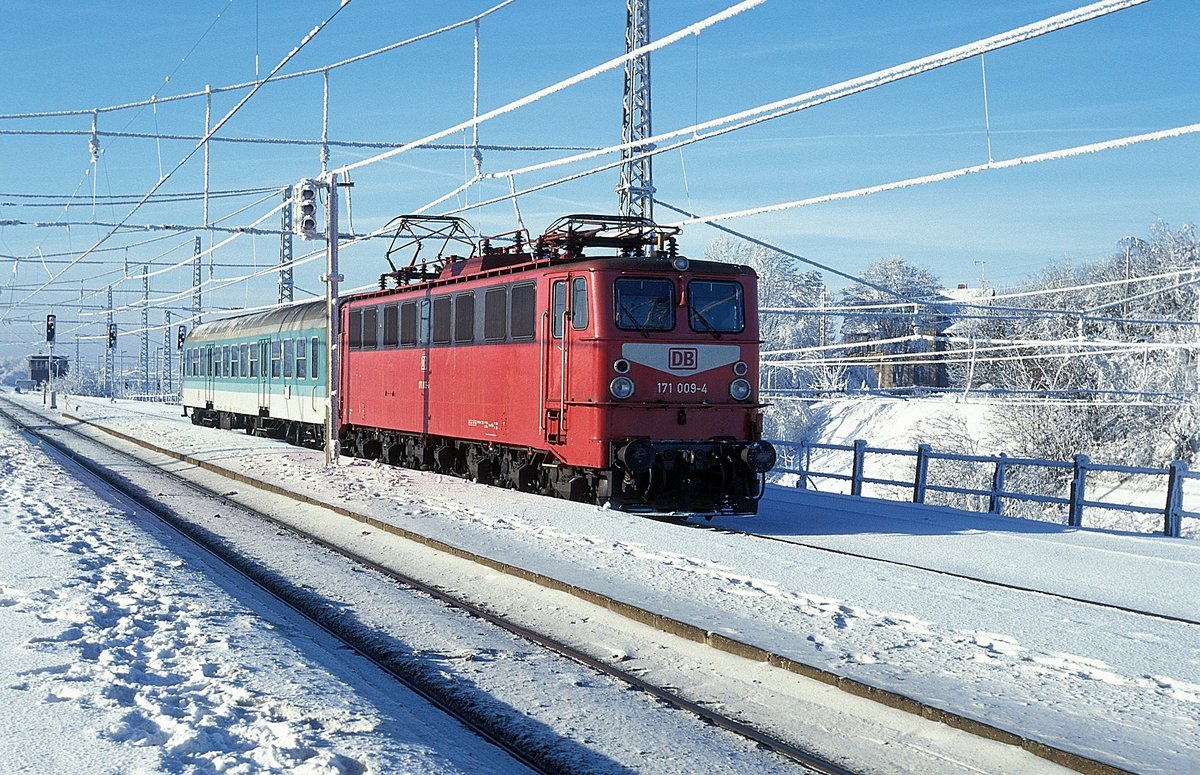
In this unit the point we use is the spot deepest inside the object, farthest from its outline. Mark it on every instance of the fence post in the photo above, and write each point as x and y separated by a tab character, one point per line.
1173	513
1078	482
922	474
802	482
856	477
996	499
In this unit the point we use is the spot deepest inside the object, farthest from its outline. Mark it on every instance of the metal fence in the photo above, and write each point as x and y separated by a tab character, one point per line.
998	473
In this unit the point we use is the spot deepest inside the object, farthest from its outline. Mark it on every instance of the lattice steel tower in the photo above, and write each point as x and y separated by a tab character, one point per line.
636	190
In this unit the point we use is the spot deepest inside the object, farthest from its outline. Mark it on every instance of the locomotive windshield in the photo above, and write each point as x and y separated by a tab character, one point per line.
716	307
644	304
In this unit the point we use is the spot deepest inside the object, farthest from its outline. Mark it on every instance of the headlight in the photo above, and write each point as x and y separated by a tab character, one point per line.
621	366
739	389
740	368
759	456
680	263
622	387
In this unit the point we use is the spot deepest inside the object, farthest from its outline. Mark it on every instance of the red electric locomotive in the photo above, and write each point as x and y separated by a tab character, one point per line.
629	379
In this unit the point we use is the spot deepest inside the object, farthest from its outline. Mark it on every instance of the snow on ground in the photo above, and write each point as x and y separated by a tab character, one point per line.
108	633
1120	687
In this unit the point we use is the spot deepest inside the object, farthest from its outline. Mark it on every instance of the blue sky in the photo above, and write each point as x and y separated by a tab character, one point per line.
1129	73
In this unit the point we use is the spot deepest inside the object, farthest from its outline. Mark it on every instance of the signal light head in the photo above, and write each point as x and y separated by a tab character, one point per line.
304	199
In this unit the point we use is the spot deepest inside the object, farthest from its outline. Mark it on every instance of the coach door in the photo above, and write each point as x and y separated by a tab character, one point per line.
564	323
210	371
264	377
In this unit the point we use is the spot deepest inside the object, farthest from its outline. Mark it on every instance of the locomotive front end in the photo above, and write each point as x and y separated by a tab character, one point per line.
685	422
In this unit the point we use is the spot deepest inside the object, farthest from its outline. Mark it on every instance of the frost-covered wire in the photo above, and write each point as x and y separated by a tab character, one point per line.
566	83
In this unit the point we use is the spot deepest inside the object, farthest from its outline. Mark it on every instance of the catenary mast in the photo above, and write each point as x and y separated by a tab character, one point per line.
636	190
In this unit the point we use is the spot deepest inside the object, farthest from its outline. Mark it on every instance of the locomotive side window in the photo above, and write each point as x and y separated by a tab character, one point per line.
288	357
391	326
408	323
644	304
579	304
370	328
716	307
464	317
355	332
441	320
315	361
558	308
495	314
523	313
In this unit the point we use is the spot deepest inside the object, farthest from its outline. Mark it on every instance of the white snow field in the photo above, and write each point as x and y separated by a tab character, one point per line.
1116	686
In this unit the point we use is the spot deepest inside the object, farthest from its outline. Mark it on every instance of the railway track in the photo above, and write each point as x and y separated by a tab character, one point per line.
318	611
808	545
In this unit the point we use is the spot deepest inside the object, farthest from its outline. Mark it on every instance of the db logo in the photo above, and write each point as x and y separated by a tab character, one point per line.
682	358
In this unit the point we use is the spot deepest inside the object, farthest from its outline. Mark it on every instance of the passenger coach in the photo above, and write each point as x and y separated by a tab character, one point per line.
263	372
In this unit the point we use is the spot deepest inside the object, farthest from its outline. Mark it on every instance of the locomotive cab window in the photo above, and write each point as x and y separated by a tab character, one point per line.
644	304
716	307
578	310
558	308
579	304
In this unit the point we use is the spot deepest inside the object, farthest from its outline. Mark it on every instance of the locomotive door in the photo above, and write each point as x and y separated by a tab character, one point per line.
565	323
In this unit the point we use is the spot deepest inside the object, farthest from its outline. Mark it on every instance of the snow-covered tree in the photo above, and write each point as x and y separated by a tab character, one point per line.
904	281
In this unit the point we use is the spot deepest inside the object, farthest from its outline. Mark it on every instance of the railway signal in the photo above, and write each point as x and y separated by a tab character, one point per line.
305	201
50	325
180	335
112	335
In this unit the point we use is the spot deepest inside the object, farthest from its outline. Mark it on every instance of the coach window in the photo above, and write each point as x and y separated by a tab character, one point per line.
441	320
495	314
253	360
246	360
408	323
235	361
301	359
523	311
579	304
225	360
391	326
464	318
644	304
315	361
289	357
716	307
276	355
